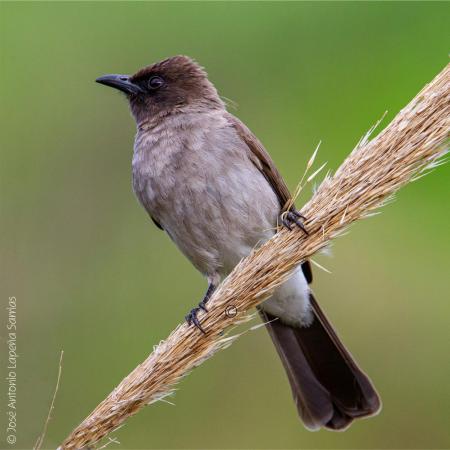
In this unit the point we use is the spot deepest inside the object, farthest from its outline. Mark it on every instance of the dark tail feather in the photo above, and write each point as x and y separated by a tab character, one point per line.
329	389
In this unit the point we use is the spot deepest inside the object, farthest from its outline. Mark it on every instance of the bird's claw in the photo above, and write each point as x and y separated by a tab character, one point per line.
192	318
292	217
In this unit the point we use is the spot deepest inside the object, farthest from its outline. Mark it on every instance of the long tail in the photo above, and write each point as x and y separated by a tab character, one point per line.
329	389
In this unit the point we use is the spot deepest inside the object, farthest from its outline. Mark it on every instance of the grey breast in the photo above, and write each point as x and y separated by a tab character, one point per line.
199	184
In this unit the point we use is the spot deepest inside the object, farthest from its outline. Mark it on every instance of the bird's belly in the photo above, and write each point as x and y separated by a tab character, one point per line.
216	224
216	212
216	238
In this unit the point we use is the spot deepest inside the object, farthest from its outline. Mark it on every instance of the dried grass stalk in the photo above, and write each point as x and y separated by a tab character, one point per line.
410	145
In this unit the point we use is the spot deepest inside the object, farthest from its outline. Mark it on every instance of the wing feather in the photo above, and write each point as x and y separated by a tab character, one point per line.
262	160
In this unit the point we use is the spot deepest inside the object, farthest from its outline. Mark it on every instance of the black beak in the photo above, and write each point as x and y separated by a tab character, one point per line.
120	82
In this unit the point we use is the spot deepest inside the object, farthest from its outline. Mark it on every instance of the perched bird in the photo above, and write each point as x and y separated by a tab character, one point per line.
208	182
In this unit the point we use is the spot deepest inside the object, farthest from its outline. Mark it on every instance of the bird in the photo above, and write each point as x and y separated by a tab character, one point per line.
207	181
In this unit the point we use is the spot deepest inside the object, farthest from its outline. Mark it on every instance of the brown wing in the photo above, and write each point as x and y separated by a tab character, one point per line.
262	160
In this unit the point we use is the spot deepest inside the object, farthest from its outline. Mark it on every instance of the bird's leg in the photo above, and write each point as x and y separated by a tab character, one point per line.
209	291
291	217
191	318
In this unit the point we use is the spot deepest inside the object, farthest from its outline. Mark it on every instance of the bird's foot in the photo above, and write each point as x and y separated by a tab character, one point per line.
192	318
293	217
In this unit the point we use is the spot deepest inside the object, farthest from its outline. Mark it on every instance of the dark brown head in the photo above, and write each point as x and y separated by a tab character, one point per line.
173	85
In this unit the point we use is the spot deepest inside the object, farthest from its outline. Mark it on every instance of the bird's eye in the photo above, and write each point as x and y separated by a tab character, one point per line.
155	82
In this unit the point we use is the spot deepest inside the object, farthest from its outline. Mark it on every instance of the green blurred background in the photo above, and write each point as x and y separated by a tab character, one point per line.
94	277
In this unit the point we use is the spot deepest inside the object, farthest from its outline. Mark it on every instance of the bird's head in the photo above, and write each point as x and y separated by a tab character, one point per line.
173	85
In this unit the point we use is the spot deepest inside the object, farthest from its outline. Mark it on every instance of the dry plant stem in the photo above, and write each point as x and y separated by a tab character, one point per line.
411	144
41	438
